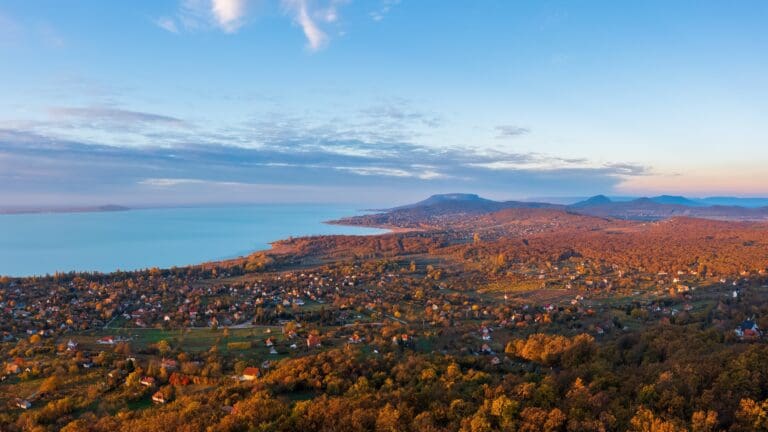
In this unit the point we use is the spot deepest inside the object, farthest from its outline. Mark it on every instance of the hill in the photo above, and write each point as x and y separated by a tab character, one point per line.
438	199
439	211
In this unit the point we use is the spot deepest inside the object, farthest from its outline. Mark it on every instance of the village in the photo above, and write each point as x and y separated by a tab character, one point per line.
158	332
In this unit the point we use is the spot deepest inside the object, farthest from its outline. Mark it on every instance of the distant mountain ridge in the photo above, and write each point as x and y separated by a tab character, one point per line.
441	209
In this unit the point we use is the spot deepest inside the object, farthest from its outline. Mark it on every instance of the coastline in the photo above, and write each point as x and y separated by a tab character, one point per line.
225	238
282	247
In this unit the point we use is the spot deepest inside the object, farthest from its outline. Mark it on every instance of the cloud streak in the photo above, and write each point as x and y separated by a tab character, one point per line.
511	131
307	18
113	115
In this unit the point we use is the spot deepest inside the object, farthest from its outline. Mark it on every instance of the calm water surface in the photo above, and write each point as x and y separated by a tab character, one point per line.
34	244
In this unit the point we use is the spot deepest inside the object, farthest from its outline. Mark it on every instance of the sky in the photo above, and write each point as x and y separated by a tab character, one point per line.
154	102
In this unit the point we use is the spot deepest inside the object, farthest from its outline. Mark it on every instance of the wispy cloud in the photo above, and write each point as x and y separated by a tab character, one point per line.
230	16
399	111
113	115
307	18
384	8
543	163
171	182
167	24
413	171
510	131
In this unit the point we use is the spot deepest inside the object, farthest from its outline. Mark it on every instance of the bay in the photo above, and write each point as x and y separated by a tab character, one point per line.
44	243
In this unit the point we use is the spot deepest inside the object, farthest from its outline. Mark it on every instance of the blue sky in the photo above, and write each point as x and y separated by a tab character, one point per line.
379	101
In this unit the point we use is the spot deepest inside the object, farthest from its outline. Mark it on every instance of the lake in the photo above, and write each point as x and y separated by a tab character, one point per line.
36	244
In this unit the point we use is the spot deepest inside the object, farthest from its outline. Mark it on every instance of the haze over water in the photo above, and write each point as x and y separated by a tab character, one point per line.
36	244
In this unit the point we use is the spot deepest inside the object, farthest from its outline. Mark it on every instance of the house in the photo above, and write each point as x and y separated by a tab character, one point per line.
12	368
748	330
313	341
116	373
495	361
355	339
23	404
269	342
403	340
159	398
272	350
71	345
106	340
250	373
169	364
147	382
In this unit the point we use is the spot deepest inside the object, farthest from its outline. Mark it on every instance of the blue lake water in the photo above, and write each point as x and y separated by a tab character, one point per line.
35	244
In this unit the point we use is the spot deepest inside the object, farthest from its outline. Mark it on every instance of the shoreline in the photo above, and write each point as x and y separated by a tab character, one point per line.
277	247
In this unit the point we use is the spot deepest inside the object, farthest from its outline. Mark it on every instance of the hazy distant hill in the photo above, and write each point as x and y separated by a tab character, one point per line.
83	209
664	207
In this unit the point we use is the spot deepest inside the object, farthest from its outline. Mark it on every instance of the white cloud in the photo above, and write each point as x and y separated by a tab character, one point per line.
306	17
195	15
229	14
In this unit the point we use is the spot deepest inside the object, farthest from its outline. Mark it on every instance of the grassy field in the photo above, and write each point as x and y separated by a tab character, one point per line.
190	340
